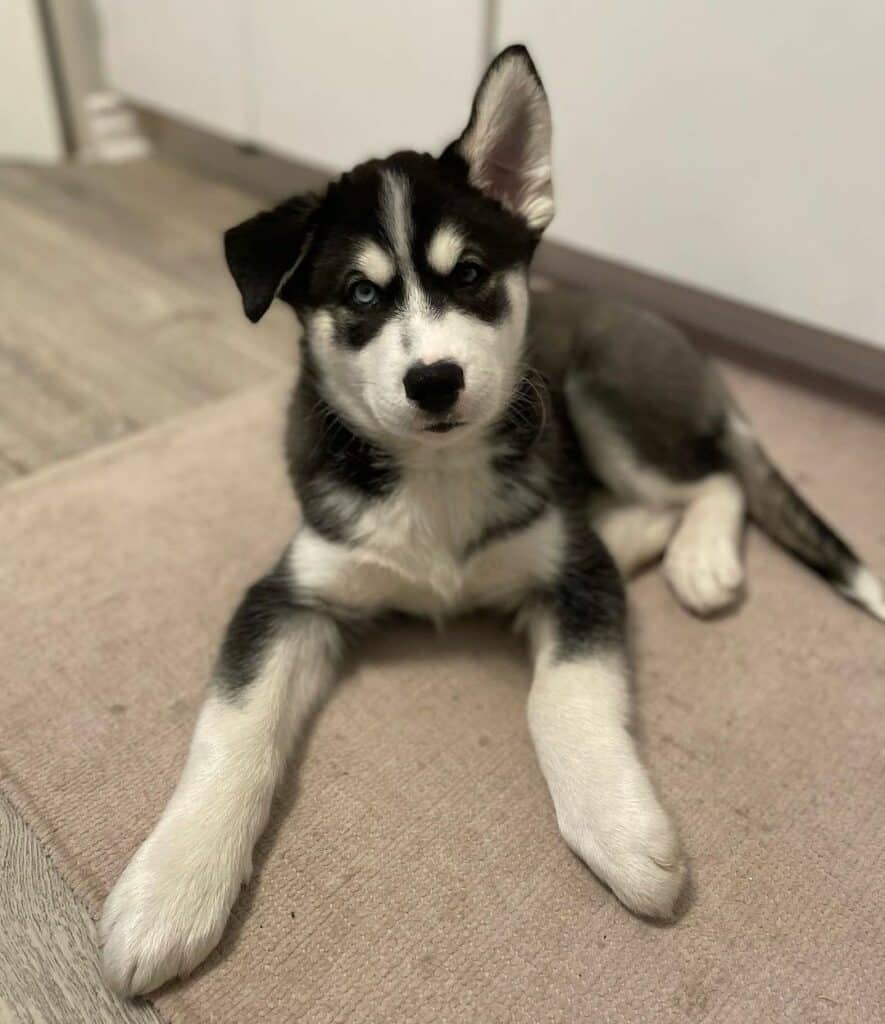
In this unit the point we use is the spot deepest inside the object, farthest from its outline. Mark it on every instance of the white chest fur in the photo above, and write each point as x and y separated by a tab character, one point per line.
409	550
423	529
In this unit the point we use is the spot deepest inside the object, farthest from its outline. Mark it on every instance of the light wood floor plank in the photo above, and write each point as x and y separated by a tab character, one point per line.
116	309
48	957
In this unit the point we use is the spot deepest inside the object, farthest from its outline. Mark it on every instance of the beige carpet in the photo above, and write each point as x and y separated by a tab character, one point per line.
413	871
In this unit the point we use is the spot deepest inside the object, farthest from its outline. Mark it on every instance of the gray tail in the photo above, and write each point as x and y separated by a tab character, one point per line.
786	517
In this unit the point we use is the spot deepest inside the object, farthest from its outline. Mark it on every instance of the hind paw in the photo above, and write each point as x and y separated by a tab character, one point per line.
705	573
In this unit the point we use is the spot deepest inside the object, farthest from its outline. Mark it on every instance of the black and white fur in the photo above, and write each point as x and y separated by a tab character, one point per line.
571	440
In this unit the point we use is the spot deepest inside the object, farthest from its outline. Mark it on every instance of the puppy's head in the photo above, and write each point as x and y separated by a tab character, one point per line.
410	274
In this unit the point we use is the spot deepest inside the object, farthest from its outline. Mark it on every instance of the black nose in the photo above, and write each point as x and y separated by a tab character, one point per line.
434	388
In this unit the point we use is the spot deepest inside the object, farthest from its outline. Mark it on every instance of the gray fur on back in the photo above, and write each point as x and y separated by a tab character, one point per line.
638	370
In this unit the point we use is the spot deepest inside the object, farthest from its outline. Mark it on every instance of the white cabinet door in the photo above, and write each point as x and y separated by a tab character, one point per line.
188	58
735	146
337	82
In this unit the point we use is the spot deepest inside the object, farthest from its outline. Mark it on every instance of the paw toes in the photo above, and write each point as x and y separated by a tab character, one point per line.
138	956
637	853
649	875
156	927
728	570
649	885
706	579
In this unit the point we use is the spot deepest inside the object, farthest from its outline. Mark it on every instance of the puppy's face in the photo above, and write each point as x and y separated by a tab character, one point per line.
410	274
414	301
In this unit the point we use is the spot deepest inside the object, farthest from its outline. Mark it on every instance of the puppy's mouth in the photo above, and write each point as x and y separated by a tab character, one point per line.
444	426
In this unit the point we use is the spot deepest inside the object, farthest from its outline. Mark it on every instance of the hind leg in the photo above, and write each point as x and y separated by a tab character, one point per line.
673	466
702	542
703	560
635	535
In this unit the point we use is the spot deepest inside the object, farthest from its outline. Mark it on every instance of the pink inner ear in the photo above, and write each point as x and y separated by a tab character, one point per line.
504	165
507	143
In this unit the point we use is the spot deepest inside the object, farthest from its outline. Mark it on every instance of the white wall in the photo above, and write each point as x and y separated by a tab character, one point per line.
738	146
29	127
329	82
190	58
338	81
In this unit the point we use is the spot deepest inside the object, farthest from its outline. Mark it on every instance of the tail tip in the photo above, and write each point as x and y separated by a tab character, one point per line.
867	590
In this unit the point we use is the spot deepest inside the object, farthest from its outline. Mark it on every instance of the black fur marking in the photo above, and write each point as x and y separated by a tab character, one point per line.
487	301
263	249
684	451
506	528
357	327
266	606
588	599
520	461
329	461
785	515
522	424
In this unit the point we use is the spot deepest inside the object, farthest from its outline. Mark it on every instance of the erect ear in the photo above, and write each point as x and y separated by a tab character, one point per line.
507	142
265	251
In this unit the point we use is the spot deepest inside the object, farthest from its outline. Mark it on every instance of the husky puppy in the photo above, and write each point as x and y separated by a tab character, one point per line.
454	449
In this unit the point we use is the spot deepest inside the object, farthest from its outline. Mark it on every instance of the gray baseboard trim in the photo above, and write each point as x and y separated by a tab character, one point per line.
724	322
237	163
730	328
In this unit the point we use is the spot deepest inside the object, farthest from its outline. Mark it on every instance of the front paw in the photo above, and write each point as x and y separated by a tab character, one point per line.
632	845
167	911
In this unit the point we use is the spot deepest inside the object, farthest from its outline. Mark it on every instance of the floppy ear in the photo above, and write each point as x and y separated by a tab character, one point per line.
507	142
265	251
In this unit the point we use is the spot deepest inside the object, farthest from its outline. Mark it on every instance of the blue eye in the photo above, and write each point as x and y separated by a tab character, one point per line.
466	273
363	294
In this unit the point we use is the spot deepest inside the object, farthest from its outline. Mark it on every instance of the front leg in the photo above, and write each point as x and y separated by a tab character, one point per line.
170	906
578	714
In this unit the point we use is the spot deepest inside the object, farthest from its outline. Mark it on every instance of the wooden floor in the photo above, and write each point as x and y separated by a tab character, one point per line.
116	309
116	312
